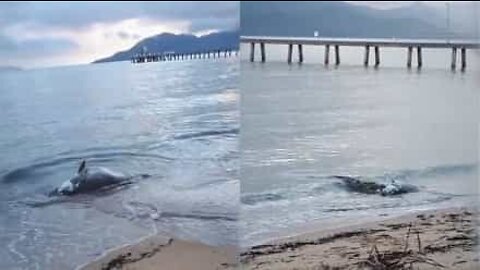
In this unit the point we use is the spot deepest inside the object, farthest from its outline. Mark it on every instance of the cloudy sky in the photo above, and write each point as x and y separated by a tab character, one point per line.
394	4
39	34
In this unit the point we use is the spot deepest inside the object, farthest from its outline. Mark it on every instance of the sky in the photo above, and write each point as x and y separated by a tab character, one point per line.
395	4
43	34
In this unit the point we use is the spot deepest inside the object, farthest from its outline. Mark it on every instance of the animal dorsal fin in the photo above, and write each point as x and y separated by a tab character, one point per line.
82	167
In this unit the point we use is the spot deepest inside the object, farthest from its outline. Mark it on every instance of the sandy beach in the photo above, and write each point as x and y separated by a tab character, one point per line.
441	239
157	253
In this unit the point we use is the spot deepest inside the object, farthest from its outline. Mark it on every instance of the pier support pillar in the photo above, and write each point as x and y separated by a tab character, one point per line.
262	50
337	55
409	56
300	53
454	58
419	57
252	52
377	56
289	56
464	58
367	54
327	54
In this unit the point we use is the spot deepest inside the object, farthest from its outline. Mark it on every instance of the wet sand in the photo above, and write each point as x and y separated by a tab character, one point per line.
158	253
440	239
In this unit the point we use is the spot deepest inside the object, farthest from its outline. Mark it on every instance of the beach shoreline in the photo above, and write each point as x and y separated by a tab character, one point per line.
446	237
158	252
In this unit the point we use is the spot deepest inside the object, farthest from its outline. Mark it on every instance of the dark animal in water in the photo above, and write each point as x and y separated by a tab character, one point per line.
91	179
370	187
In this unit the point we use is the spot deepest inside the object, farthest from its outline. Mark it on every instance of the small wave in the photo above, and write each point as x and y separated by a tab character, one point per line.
35	169
86	198
141	209
252	199
429	172
324	184
200	216
346	209
207	133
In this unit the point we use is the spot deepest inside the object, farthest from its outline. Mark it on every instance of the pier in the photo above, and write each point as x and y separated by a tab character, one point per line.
172	56
376	44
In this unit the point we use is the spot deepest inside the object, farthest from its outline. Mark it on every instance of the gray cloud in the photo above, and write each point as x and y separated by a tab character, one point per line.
125	35
35	47
76	15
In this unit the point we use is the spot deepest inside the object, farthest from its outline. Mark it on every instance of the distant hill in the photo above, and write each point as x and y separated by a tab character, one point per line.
338	19
183	43
9	68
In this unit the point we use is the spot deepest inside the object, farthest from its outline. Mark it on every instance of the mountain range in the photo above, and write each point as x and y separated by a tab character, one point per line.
327	18
182	43
342	19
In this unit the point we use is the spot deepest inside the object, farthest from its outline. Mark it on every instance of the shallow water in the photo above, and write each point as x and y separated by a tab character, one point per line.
303	124
175	121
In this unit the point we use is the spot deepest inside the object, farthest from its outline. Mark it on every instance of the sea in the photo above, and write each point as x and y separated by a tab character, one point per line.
176	122
304	124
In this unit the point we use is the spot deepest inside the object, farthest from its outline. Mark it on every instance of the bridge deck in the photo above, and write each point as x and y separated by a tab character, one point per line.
425	43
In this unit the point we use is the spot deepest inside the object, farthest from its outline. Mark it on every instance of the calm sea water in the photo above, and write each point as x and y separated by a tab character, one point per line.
302	124
177	121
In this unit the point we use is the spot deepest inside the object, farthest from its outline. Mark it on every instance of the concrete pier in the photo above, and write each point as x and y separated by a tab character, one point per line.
171	56
419	57
327	55
337	55
419	44
377	56
300	53
409	56
262	50
252	52
289	56
366	56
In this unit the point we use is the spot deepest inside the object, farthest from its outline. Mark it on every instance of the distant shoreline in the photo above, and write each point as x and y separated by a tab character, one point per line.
10	68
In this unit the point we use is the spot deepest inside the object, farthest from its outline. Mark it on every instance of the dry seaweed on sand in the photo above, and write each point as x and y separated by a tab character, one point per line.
405	259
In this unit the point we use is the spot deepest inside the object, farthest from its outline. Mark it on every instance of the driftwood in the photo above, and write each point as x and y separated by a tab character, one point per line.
396	260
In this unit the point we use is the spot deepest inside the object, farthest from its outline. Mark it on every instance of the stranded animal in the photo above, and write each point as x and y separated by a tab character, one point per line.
369	187
91	179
